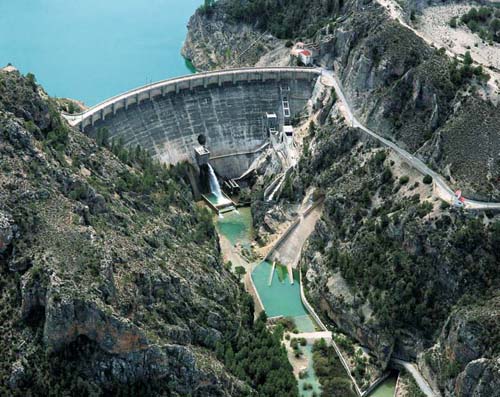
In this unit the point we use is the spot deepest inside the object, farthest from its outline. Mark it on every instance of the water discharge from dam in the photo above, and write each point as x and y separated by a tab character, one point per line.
281	298
214	184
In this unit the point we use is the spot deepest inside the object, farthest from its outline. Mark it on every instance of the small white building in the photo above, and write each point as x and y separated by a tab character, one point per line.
305	57
302	53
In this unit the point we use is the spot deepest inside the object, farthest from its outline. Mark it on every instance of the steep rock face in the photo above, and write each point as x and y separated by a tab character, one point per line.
428	256
403	88
465	360
28	104
479	378
7	231
387	263
214	42
103	257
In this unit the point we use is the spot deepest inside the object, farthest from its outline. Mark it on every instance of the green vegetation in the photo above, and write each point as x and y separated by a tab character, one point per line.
404	180
330	372
484	21
240	271
31	80
386	249
128	249
460	74
427	179
257	356
297	18
411	387
207	7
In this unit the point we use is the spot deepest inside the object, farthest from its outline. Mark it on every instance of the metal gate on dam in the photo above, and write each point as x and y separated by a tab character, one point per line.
227	107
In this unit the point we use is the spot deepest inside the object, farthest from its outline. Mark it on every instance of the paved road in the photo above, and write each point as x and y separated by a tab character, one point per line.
422	383
442	188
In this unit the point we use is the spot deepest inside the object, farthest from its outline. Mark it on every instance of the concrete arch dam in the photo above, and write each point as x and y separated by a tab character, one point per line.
227	106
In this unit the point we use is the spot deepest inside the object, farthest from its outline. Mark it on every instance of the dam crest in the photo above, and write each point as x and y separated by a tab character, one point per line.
226	107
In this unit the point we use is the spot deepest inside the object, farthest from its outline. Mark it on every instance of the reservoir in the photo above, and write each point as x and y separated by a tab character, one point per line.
93	49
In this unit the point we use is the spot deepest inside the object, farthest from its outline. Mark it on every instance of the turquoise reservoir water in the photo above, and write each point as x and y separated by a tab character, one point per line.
93	49
237	226
281	298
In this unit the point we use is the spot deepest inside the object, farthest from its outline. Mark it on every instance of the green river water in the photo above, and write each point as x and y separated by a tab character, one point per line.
237	226
386	388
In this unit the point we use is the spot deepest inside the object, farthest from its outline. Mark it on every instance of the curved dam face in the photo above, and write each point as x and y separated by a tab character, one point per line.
227	107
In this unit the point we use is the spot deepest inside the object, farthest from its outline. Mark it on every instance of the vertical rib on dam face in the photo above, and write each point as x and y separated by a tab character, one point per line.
228	108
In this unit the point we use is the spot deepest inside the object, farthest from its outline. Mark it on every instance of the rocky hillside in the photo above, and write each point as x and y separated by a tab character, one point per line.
111	279
397	83
397	269
214	42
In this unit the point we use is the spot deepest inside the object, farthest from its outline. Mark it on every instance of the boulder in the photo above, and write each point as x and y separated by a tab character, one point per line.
7	232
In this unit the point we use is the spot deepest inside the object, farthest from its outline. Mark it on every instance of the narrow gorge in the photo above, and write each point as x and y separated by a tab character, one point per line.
314	212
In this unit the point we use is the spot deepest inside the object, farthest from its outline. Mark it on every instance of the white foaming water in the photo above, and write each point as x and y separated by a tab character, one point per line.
214	184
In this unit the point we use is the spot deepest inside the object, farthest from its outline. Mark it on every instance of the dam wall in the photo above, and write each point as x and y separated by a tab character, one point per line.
227	107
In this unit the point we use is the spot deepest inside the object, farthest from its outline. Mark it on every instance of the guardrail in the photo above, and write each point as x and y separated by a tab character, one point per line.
377	382
255	292
396	389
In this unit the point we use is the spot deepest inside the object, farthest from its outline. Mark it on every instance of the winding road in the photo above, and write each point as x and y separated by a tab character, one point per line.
414	372
441	187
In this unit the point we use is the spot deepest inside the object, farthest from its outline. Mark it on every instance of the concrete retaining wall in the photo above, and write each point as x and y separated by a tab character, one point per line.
227	107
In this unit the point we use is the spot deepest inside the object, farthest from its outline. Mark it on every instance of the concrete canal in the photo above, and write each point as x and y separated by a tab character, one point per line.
386	388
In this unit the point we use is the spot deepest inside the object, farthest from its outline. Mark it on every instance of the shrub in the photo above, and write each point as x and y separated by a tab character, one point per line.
404	180
468	58
240	271
444	205
207	7
31	80
427	179
307	386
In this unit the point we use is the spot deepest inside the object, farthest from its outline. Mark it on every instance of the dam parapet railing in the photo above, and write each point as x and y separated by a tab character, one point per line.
204	79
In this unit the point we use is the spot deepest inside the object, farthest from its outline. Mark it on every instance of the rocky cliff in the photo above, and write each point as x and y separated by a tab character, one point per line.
466	355
111	278
396	269
214	42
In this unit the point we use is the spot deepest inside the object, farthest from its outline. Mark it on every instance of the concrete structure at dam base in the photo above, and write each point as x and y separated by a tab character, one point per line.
227	108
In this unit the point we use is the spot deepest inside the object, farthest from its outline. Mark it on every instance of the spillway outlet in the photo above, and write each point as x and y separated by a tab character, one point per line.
220	205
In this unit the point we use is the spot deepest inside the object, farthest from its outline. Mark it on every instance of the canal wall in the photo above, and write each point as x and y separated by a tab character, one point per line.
227	107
